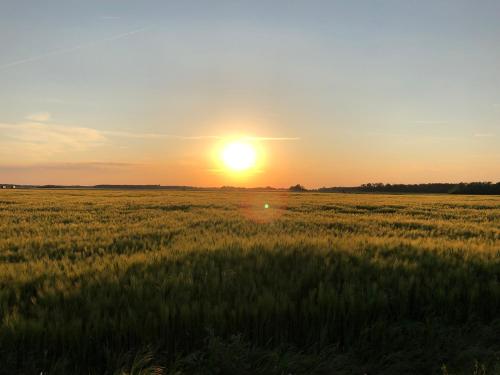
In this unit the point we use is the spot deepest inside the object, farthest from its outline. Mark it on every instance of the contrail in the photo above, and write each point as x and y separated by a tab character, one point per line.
194	137
143	135
272	138
71	49
156	135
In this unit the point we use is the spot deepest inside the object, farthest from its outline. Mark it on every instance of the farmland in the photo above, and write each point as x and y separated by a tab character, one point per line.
101	281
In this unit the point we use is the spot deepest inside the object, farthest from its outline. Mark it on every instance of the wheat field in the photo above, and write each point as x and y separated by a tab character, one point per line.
176	282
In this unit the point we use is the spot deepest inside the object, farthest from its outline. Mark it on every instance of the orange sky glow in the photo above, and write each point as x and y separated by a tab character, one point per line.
334	95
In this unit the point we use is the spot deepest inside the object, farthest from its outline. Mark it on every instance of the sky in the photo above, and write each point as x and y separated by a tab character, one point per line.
330	93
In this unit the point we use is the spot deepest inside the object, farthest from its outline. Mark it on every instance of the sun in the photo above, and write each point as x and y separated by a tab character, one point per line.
239	156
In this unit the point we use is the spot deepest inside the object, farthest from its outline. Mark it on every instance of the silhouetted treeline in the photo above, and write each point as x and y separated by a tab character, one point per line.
484	188
433	188
127	186
297	188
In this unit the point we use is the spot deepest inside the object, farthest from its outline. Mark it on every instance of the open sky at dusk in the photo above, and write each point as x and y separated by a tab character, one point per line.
327	93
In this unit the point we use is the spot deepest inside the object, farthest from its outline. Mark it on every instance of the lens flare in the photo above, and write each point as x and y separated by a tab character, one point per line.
264	207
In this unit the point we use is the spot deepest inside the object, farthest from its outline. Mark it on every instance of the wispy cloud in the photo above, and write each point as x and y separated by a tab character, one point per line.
36	139
431	122
71	49
67	166
52	100
39	117
272	138
38	131
156	135
192	137
109	17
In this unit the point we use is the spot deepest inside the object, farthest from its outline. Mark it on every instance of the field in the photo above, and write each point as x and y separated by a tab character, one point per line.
129	282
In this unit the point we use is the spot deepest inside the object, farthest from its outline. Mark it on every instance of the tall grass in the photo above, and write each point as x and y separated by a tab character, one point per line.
386	282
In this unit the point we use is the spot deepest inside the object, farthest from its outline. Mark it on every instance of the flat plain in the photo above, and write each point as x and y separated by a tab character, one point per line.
178	282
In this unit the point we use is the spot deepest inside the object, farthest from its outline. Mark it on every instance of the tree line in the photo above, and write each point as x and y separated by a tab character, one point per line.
482	188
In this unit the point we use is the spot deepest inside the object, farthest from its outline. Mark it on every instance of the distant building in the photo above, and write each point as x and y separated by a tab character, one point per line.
4	187
13	186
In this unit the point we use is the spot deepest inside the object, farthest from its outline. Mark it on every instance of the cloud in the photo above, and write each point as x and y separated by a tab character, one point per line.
52	100
70	49
272	138
86	165
40	136
431	122
38	140
156	135
484	135
39	117
191	137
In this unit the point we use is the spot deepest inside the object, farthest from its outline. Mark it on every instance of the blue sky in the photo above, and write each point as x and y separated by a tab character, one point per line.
334	92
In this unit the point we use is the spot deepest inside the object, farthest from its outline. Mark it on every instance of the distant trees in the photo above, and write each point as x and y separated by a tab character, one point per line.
142	187
297	188
407	188
433	188
476	188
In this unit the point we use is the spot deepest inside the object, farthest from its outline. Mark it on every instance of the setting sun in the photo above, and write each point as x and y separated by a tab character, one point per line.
239	156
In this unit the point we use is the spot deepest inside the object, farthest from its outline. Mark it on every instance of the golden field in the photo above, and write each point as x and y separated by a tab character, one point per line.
177	282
